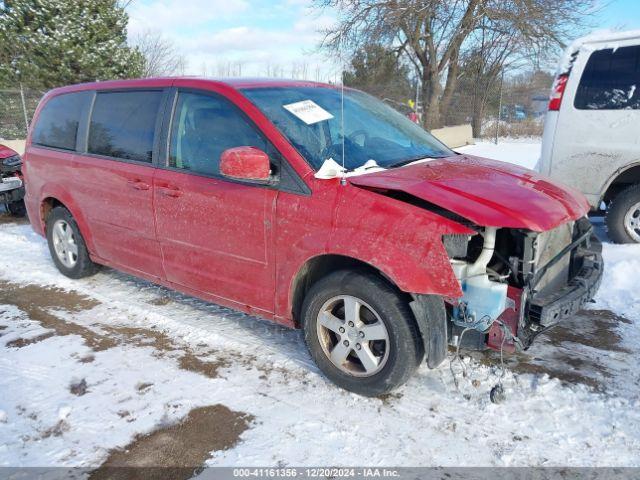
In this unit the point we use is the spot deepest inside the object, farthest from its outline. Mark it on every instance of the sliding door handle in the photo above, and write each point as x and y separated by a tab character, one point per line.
139	185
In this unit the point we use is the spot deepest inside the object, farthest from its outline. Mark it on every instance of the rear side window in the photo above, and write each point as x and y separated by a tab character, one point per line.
57	124
123	124
611	80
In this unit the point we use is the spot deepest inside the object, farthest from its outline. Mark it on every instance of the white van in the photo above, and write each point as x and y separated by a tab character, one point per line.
591	135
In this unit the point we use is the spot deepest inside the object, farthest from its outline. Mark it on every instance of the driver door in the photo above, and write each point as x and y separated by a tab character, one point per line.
216	234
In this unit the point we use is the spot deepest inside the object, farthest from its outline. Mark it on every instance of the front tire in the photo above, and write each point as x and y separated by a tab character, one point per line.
623	216
361	333
66	245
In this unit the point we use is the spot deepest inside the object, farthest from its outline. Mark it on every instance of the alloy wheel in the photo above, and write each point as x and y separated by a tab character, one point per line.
64	243
632	222
353	336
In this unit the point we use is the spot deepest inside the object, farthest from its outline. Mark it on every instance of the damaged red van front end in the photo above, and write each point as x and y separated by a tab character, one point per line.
531	260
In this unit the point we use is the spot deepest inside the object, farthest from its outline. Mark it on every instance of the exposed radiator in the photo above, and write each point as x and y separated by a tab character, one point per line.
549	244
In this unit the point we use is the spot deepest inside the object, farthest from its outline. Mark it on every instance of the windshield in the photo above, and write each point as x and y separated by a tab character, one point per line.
310	117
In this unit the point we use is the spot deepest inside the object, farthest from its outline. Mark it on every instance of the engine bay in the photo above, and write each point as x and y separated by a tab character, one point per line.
502	272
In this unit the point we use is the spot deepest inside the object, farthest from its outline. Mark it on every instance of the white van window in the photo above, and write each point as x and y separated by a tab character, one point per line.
611	80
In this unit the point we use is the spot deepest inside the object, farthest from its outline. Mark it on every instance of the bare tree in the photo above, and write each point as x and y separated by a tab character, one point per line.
228	68
433	34
492	50
274	70
161	58
299	69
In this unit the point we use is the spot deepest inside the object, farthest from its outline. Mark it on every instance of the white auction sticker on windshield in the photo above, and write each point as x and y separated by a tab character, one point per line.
308	111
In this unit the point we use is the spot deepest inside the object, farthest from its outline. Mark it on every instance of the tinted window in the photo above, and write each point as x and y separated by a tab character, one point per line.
205	126
611	80
57	125
123	124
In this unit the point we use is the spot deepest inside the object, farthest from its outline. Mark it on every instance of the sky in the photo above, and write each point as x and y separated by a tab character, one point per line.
620	15
277	37
240	37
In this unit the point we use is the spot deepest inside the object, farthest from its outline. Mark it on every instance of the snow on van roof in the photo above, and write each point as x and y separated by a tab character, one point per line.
605	38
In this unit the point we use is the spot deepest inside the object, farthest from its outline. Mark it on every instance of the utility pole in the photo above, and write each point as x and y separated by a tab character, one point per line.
499	105
24	108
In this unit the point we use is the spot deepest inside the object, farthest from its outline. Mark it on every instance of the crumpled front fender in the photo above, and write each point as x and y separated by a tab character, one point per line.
401	240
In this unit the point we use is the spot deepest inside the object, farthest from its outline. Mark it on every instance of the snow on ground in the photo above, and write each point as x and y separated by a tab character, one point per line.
87	365
524	152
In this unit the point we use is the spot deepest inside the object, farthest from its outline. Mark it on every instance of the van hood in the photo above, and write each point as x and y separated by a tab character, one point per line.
486	192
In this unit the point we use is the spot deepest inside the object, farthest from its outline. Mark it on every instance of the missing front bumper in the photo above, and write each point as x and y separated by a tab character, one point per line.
536	312
548	309
538	303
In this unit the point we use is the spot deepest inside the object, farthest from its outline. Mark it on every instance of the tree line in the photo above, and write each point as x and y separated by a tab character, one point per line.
446	43
446	53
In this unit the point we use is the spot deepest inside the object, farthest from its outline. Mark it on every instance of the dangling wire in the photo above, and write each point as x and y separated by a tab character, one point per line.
460	361
497	394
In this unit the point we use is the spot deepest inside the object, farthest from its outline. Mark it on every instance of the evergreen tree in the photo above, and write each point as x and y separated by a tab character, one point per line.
48	43
378	71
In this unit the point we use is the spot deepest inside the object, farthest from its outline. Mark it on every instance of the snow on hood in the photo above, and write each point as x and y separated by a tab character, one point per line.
486	192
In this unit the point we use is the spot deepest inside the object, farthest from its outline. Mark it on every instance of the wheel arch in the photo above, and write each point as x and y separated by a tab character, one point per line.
620	180
46	206
53	200
318	267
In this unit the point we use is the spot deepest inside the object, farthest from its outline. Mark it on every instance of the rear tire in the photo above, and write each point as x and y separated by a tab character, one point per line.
623	216
66	245
375	355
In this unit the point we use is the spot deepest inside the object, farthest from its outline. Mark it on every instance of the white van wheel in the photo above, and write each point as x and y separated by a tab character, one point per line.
623	216
632	222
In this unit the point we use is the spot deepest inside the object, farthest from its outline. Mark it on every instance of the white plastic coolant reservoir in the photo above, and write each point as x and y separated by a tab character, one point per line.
485	300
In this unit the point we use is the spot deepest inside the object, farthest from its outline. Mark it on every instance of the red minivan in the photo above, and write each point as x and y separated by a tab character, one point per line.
314	207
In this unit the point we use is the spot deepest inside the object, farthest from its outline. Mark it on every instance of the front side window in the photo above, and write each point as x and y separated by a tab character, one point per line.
57	124
611	80
312	120
203	127
123	124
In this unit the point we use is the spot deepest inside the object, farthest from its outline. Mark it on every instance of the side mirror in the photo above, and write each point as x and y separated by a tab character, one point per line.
245	163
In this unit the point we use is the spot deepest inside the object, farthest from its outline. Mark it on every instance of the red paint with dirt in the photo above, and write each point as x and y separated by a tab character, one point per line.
487	192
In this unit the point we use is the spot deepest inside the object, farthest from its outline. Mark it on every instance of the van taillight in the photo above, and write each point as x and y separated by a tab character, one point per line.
557	91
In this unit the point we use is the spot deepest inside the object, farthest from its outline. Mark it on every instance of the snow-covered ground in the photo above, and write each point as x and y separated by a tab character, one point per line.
88	365
525	152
